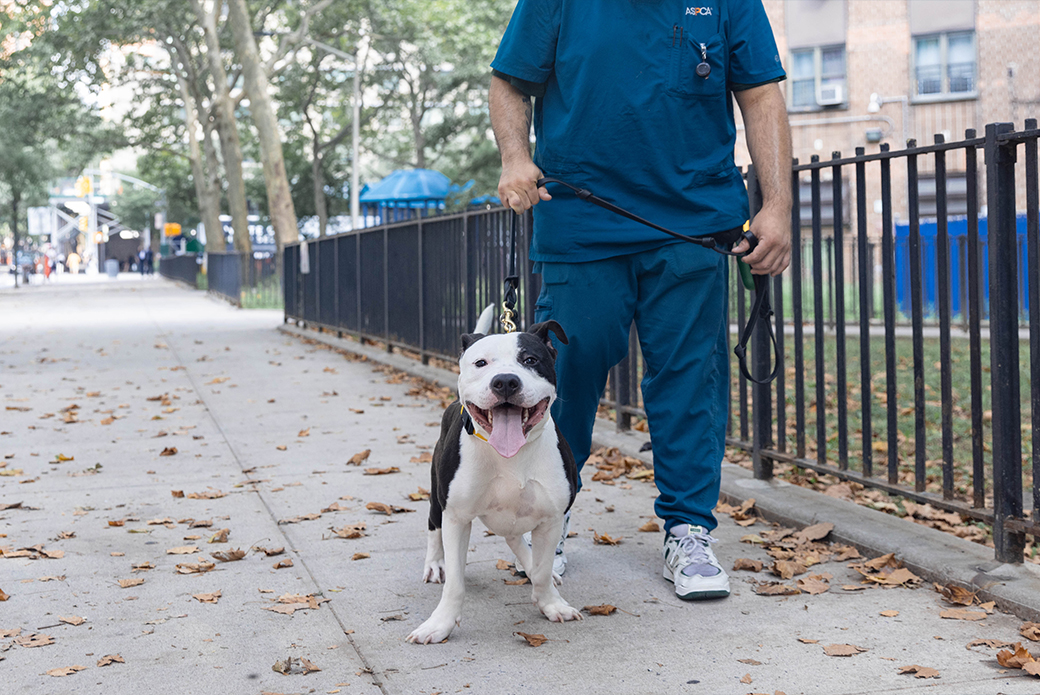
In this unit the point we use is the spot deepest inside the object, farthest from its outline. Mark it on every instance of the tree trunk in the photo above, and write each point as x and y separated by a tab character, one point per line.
279	197
318	174
213	187
230	144
210	214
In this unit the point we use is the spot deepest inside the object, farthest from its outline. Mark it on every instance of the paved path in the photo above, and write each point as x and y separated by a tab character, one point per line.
264	426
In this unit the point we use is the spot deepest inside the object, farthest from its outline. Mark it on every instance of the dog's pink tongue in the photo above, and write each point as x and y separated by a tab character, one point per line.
507	435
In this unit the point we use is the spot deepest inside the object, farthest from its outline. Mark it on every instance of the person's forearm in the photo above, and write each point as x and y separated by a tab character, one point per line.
769	142
511	121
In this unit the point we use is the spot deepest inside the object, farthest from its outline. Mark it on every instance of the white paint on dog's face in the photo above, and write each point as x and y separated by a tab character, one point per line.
493	356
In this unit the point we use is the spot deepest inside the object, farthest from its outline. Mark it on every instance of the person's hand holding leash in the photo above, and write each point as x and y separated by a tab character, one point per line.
517	187
773	253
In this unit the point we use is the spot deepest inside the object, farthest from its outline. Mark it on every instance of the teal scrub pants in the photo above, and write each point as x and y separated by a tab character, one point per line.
676	294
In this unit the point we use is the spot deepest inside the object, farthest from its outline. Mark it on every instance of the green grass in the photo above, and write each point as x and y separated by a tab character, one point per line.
266	295
904	375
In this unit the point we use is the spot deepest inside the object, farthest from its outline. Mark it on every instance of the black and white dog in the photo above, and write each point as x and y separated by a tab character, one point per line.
500	457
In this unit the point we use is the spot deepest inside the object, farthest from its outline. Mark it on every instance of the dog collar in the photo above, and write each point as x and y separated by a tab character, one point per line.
467	423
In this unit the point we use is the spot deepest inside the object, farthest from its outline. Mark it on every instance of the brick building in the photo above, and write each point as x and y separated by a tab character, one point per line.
866	72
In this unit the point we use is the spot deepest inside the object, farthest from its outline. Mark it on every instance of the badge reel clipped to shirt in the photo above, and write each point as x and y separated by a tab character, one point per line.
703	69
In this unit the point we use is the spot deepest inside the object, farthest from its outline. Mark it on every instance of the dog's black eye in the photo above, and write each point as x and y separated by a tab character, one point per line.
530	360
480	363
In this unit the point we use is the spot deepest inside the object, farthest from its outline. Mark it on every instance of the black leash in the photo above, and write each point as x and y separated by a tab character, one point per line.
720	242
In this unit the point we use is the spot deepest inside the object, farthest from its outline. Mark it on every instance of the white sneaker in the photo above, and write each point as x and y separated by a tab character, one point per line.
691	565
560	561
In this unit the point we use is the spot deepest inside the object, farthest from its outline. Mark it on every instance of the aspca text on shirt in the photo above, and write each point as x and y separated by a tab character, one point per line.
706	11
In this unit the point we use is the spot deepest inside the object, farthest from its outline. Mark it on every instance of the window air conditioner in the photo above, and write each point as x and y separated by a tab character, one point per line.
831	95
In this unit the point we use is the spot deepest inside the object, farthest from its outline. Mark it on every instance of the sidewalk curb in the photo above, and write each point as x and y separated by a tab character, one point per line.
934	555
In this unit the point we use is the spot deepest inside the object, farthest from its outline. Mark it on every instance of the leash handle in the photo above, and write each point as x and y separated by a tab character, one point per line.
744	268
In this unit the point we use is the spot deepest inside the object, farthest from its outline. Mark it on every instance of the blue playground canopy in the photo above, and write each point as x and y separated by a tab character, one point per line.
408	188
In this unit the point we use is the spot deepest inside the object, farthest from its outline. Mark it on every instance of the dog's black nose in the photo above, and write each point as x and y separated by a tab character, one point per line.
505	385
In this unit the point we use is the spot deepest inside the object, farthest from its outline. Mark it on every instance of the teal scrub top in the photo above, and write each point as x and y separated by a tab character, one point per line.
620	109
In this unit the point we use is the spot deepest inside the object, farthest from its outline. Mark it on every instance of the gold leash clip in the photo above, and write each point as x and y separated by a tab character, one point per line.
507	319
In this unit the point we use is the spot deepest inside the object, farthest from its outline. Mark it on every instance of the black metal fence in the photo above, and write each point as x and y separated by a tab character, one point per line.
182	268
418	284
924	412
252	284
224	276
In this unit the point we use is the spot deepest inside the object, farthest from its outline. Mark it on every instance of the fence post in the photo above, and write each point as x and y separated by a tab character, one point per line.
1003	274
761	353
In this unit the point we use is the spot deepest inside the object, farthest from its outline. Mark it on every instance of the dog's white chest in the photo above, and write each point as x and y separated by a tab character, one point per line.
510	496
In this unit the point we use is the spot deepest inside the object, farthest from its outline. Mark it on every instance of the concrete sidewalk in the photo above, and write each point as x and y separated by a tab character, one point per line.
264	425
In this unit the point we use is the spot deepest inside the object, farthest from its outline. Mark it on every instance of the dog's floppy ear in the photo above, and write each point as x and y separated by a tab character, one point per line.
470	338
542	331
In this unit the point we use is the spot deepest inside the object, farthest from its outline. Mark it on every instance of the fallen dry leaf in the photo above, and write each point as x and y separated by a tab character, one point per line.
816	532
842	650
141	567
110	659
334	507
806	640
424	457
207	495
169	451
199	567
283	564
650	527
283	666
127	583
919	671
211	597
71	619
360	556
308	666
815	584
67	671
304	433
888	614
302	517
177	493
746	679
34	640
220	536
1030	631
420	495
775	589
604	539
182	550
387	509
605	609
787	569
270	552
4	596
991	643
351	531
382	471
956	594
743	563
360	457
962	614
504	565
533	640
1014	659
229	556
516	582
281	447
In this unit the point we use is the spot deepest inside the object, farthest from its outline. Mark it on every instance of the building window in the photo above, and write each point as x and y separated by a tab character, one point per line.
817	78
944	64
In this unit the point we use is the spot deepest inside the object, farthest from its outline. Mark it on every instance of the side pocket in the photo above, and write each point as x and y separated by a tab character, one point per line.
554	276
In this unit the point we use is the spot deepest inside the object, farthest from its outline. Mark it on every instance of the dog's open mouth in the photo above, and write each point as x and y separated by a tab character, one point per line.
508	425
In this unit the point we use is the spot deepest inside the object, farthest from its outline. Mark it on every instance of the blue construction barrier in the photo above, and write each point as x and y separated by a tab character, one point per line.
958	232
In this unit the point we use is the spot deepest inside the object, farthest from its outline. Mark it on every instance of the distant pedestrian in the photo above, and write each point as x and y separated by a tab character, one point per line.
140	260
73	262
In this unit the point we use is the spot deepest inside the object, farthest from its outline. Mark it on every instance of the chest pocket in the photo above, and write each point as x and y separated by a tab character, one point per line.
687	52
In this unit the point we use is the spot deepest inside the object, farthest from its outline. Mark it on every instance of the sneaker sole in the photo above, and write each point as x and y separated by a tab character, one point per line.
695	595
559	566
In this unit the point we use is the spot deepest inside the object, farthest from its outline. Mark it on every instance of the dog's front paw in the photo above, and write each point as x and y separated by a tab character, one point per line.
559	611
433	573
433	631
